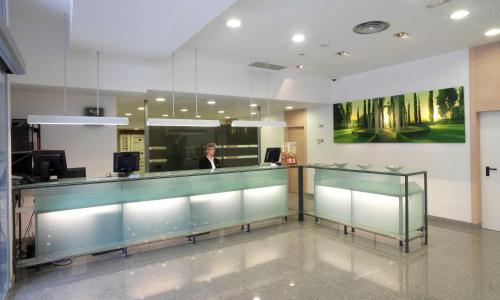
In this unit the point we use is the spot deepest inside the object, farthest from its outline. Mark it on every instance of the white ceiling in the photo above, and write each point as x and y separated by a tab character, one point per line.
140	28
268	26
234	107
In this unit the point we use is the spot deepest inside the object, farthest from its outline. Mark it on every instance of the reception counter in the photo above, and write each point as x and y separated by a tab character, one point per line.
389	203
89	215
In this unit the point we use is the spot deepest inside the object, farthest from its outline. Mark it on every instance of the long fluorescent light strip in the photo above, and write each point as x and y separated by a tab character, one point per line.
183	122
246	123
76	120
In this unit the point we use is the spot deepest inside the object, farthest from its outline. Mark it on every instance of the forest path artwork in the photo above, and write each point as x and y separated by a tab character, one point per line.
435	116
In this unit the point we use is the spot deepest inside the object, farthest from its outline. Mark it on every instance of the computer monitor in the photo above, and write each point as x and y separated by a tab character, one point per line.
125	163
49	162
272	155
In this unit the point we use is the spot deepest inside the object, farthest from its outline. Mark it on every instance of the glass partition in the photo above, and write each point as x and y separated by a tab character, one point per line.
4	185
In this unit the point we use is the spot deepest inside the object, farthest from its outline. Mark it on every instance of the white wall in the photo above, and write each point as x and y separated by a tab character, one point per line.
271	137
86	146
448	165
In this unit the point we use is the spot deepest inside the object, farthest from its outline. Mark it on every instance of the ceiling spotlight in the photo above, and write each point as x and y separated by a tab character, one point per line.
298	38
299	66
402	35
184	109
253	113
289	107
492	32
198	116
220	112
128	114
140	108
343	53
253	105
233	23
164	115
459	14
302	54
160	99
227	117
211	102
136	128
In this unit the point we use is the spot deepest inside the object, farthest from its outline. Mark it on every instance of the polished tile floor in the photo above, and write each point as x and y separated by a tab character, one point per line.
279	260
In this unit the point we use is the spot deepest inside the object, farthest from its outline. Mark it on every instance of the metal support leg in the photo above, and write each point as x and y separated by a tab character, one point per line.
300	171
194	239
286	218
426	221
316	220
125	252
242	227
248	227
353	229
401	244
345	229
407	227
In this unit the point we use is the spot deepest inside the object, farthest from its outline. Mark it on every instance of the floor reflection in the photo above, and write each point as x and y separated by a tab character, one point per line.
283	261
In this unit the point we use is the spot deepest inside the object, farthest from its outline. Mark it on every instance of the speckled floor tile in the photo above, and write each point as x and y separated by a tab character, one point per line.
276	260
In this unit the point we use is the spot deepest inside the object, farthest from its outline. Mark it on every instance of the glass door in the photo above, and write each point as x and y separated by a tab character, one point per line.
4	189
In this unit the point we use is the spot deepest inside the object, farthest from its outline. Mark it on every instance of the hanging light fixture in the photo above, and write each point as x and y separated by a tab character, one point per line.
75	120
184	122
251	123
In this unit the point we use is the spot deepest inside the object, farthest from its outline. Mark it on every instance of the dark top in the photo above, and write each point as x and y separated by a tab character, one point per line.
205	163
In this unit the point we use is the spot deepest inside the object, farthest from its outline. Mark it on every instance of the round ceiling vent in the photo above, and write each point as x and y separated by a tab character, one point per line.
371	27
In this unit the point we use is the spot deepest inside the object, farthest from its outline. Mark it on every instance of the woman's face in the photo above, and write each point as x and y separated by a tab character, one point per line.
211	151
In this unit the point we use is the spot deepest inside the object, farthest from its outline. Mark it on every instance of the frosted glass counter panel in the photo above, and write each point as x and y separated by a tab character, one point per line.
154	189
214	183
333	203
264	178
266	202
212	210
155	219
76	231
376	212
77	196
332	178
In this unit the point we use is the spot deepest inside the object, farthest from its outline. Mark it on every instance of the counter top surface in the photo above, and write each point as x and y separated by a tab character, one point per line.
133	177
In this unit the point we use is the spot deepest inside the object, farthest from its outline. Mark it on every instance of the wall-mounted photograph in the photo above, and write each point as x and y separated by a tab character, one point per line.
435	116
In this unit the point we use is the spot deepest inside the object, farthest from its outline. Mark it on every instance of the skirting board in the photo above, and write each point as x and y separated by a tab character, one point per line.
434	219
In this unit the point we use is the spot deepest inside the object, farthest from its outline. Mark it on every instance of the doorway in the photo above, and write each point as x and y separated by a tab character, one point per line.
490	158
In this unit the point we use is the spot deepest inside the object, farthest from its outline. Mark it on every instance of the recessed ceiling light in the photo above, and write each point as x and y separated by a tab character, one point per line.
492	32
343	53
220	112
227	117
253	105
160	99
164	115
298	38
289	107
459	14
211	102
136	128
184	109
324	45
253	113
128	114
198	116
302	54
233	23
299	66
140	108
402	35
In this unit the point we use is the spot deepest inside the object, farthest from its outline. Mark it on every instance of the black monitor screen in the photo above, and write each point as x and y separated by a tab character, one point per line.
272	155
125	162
49	162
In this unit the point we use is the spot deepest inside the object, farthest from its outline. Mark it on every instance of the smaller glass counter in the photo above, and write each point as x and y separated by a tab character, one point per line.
385	202
88	215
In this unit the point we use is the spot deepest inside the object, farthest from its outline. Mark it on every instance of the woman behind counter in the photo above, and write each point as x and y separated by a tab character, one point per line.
209	161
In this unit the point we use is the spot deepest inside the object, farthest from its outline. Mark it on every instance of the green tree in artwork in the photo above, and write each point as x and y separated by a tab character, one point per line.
348	114
446	100
338	115
431	106
409	114
365	123
369	124
419	111
415	108
357	114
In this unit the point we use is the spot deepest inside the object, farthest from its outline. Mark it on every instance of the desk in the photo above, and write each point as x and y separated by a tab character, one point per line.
80	216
